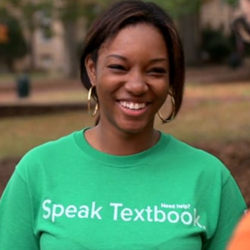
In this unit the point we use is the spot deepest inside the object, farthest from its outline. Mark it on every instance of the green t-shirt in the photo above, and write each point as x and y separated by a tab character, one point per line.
67	195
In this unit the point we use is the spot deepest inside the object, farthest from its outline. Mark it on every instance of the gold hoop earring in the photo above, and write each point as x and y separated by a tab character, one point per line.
89	102
172	114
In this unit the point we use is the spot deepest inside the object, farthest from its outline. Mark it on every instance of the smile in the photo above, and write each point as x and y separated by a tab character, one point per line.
133	105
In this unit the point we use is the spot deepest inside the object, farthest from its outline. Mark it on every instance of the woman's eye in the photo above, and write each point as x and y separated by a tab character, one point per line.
116	67
158	71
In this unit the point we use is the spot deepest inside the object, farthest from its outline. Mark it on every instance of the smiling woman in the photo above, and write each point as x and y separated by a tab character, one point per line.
123	184
132	84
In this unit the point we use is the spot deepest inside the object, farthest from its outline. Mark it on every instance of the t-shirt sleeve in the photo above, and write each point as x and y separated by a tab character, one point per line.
16	217
232	208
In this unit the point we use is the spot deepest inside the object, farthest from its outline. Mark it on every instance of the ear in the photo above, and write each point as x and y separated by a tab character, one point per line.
91	69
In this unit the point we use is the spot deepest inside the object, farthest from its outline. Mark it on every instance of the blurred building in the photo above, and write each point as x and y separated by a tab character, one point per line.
49	52
218	14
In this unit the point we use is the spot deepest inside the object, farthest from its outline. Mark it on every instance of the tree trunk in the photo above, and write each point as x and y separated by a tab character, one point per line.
10	65
70	41
190	35
31	48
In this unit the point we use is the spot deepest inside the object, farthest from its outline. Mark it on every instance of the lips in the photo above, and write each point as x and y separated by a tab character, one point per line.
133	105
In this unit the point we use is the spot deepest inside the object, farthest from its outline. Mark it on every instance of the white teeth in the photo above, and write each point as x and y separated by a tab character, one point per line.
132	105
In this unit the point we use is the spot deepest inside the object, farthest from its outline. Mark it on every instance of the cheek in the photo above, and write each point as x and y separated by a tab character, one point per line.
162	88
162	92
104	89
107	83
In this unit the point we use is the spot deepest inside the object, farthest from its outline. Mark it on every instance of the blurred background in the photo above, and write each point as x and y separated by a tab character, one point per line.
42	98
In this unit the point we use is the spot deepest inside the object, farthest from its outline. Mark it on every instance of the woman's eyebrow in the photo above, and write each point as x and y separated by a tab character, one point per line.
118	56
160	59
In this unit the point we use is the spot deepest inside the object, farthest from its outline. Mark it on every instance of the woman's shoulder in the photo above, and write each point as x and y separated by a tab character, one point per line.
192	155
50	151
53	146
181	147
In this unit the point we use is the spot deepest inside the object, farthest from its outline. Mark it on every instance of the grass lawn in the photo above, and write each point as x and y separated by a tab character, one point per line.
210	113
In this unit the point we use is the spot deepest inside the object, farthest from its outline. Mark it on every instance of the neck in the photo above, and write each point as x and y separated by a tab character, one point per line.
120	143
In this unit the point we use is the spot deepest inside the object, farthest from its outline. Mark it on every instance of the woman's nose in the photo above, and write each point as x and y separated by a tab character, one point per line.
136	84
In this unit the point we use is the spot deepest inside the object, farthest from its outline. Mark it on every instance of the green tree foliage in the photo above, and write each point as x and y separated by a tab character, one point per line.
40	14
15	47
179	8
232	2
31	15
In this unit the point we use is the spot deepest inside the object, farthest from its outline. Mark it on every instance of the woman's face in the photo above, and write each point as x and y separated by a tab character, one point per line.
131	78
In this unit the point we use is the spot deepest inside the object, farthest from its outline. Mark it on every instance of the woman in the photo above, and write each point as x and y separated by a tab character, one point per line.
122	184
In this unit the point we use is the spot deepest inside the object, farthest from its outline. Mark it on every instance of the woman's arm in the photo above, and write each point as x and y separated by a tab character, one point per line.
16	217
232	207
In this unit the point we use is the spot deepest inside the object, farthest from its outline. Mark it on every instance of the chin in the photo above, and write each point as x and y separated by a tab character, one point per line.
131	131
133	128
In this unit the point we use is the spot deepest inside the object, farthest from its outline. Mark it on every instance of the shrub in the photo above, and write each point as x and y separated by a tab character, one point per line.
217	45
